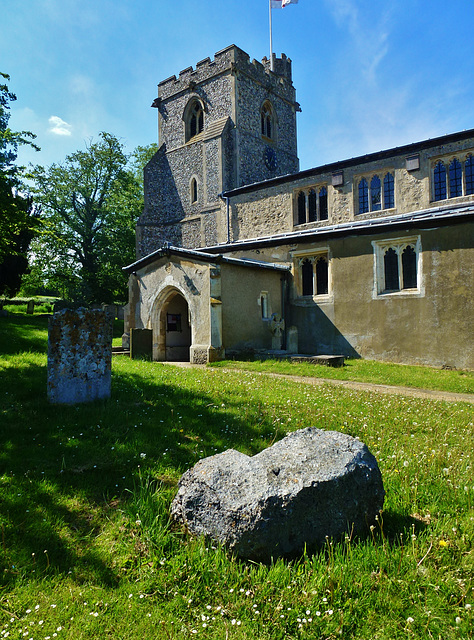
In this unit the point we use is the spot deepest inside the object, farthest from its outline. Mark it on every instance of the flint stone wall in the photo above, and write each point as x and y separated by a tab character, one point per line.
79	356
310	485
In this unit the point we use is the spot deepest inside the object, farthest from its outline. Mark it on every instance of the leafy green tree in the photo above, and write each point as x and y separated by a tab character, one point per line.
18	220
89	207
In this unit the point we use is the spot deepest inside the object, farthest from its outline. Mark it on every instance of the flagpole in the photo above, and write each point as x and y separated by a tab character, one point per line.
271	43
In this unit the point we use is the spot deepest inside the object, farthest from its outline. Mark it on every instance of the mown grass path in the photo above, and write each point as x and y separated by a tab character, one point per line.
428	394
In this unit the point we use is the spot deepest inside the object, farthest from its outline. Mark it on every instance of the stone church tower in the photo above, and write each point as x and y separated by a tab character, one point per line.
227	123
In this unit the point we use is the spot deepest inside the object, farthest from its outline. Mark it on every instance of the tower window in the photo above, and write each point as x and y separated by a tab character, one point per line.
267	124
194	191
194	119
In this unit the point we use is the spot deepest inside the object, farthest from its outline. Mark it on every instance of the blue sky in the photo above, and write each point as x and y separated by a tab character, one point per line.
369	74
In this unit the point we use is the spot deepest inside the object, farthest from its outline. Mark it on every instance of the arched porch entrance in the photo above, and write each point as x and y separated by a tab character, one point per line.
172	327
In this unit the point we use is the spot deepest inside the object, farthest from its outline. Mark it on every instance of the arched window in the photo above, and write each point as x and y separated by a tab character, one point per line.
388	191
307	278
439	181
409	268
311	205
312	210
193	191
194	119
391	270
323	203
455	179
375	194
266	121
363	196
321	276
469	168
301	207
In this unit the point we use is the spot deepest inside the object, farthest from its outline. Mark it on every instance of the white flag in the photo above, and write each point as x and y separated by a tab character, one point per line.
281	4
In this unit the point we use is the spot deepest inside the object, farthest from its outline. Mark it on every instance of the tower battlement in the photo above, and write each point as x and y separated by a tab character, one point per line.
231	59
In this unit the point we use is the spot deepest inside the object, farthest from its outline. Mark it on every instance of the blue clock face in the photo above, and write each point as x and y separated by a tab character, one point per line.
270	159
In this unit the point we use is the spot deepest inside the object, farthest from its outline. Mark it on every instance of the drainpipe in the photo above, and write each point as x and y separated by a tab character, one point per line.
227	213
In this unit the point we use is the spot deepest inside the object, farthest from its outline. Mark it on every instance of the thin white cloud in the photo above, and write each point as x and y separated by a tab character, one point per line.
59	127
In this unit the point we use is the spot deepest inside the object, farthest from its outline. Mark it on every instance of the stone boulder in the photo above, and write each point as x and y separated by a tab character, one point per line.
310	485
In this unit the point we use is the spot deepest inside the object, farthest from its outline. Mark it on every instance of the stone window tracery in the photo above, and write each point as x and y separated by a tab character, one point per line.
312	205
453	178
194	119
398	266
267	121
313	276
375	194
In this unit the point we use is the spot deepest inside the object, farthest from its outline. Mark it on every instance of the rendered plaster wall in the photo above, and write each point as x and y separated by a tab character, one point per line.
243	327
433	328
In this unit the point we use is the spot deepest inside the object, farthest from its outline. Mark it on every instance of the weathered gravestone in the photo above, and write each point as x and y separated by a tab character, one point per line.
79	356
141	345
311	485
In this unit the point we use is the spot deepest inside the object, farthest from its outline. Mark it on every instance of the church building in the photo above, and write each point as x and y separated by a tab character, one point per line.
239	251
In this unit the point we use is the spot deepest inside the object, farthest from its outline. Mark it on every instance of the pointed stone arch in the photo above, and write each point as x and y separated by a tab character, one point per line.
171	323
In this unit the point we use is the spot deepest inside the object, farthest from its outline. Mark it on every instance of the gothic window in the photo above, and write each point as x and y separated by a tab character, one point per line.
194	119
455	179
313	278
301	207
307	277
312	205
397	264
389	191
363	196
375	194
323	203
322	279
469	168
267	121
372	197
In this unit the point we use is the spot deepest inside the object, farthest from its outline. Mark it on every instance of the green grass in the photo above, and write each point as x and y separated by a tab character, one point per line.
87	549
366	371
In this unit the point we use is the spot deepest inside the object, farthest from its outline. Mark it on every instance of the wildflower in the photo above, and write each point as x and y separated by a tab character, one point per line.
410	620
458	620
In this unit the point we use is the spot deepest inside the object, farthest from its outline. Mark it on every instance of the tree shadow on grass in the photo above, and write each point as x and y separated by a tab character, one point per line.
23	334
64	468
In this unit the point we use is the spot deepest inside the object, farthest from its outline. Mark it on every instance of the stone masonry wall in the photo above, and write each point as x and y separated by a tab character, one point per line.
272	209
229	151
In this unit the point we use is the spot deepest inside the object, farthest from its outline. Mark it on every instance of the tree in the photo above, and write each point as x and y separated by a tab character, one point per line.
18	219
89	207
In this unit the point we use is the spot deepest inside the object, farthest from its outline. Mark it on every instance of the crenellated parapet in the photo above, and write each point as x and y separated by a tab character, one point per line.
232	59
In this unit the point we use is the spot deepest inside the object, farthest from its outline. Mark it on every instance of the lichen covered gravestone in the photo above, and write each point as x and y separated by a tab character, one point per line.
311	485
79	356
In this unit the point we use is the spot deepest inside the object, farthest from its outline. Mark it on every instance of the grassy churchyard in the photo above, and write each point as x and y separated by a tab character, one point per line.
87	550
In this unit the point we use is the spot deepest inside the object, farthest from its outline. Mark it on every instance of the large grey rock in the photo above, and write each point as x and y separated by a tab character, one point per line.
310	485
